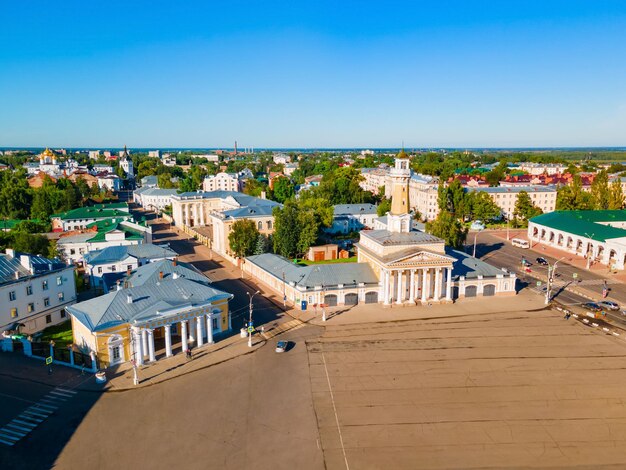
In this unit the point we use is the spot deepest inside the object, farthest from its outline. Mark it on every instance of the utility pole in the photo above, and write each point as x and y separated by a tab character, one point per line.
323	302
551	274
250	319
475	237
284	292
507	229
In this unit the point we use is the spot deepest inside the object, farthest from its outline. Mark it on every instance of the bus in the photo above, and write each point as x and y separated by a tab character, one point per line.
520	243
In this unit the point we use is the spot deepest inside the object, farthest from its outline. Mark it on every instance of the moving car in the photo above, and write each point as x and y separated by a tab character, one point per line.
594	307
542	261
518	242
281	346
608	305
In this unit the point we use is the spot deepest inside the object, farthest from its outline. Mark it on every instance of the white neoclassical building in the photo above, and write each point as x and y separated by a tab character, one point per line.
599	236
396	265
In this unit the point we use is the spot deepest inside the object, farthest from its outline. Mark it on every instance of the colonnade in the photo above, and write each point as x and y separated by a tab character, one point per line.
196	330
195	211
416	284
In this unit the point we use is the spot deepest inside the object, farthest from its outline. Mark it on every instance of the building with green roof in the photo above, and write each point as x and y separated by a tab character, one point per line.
599	235
81	217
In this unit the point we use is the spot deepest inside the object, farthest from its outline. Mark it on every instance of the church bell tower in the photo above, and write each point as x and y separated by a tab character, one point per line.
399	219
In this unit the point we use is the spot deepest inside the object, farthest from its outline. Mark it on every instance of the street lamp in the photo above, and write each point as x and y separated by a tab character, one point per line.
250	320
475	237
551	273
588	249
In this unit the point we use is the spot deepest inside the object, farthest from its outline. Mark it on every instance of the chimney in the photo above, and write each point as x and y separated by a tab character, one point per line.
263	195
175	276
119	285
10	252
17	274
129	299
128	270
26	263
174	261
160	275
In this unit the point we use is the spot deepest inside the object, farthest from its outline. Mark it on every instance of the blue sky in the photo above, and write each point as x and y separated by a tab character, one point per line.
313	74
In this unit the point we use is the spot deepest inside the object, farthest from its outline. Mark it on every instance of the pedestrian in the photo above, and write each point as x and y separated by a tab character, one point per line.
262	329
188	354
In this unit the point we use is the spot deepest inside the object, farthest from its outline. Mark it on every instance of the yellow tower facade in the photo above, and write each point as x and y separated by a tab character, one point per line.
399	219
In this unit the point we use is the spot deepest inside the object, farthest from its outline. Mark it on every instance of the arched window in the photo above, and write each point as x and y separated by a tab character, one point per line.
260	225
269	225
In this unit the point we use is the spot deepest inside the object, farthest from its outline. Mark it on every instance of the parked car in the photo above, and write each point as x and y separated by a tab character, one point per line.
608	305
477	225
281	346
594	307
542	261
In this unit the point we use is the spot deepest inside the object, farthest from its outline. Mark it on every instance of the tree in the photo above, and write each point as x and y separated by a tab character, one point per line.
524	207
262	245
283	189
449	228
600	190
483	207
164	180
572	197
297	225
286	229
243	237
383	207
616	195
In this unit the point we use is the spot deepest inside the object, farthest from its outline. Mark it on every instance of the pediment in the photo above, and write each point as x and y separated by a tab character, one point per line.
422	258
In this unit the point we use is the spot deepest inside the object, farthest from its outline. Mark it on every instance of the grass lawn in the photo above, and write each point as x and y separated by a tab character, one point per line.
61	333
330	261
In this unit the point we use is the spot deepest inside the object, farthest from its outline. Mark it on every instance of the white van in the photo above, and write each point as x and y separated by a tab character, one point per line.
518	242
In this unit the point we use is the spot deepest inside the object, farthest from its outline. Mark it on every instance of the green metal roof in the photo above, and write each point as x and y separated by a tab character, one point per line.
588	224
90	213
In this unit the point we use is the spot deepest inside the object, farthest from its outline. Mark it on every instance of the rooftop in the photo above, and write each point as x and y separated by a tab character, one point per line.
149	301
387	238
354	209
587	224
515	189
113	254
11	264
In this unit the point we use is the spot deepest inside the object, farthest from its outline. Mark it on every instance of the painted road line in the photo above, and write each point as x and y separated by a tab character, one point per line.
63	394
7	435
27	424
9	431
6	442
19	428
65	390
59	394
28	417
33	412
51	399
48	408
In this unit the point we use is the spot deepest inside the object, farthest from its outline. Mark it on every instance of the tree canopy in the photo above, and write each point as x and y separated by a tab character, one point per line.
243	237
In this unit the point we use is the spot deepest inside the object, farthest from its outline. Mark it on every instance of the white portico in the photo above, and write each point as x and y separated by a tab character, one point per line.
412	266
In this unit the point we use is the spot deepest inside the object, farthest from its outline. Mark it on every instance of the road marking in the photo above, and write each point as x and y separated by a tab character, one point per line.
31	411
42	407
332	398
9	443
61	396
7	430
65	390
56	391
30	417
28	424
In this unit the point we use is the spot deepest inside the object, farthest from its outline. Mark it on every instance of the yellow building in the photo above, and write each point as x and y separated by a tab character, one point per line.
155	308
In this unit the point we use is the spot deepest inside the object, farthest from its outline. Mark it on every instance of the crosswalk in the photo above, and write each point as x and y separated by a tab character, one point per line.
287	326
34	415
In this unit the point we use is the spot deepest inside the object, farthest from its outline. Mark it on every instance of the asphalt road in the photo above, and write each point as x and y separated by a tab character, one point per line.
501	254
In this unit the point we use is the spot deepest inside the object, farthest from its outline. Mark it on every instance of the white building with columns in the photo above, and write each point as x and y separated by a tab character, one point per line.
599	236
396	265
152	321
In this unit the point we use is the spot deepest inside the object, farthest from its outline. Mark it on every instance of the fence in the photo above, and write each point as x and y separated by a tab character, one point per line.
63	355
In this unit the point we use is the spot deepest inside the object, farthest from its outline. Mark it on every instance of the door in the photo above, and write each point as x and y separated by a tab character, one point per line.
489	289
351	299
371	298
470	291
318	256
330	300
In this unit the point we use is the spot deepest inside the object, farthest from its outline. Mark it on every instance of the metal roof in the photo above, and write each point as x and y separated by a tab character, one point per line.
514	189
113	254
9	265
328	275
385	237
354	209
587	224
148	301
150	273
470	267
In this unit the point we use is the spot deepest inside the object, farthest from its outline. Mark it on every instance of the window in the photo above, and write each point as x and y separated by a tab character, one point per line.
31	307
61	296
113	268
63	313
13	313
12	296
46	302
129	267
59	281
260	225
116	353
29	290
72	251
44	285
214	323
48	318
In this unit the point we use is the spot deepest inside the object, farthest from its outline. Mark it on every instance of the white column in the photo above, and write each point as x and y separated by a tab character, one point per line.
192	331
138	349
168	340
150	334
199	331
209	329
424	285
202	213
449	284
399	287
144	342
183	335
412	287
437	283
385	279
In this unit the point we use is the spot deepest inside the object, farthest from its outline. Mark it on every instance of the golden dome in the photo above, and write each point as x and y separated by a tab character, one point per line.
47	153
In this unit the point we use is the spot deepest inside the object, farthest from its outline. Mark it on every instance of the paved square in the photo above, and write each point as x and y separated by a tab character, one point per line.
494	390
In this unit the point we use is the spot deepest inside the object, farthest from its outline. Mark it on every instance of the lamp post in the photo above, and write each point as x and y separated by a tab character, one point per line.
284	292
475	237
551	273
250	319
588	250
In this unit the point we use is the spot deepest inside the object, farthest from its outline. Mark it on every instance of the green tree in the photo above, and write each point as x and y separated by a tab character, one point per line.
255	187
483	207
449	228
243	237
286	229
262	245
283	189
164	180
308	229
600	190
524	207
383	207
616	196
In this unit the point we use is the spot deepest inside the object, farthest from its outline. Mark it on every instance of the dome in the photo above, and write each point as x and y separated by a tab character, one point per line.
47	153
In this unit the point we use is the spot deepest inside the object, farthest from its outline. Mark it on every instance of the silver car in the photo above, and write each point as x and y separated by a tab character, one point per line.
607	304
281	346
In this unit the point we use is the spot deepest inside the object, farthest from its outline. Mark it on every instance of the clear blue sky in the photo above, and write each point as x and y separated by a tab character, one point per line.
313	74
